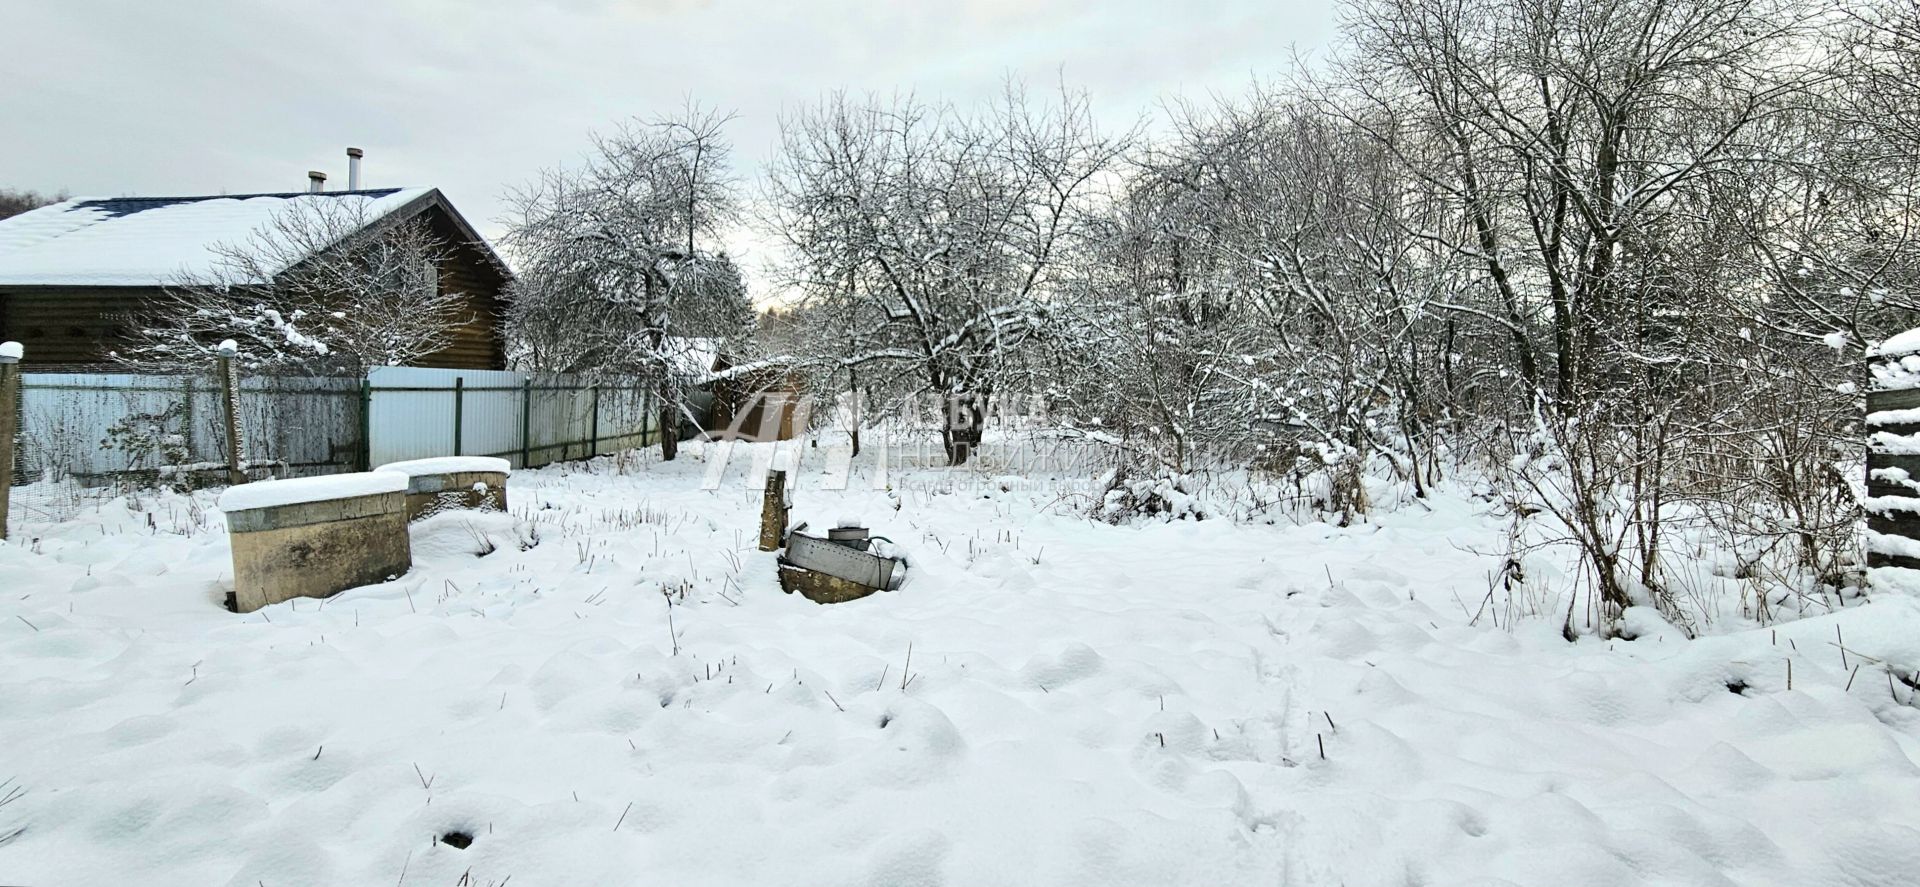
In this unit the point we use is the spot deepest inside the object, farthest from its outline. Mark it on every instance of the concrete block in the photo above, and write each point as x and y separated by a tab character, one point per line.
820	587
435	485
317	549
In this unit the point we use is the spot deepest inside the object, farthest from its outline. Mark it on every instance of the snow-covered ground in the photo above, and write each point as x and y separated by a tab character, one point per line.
617	692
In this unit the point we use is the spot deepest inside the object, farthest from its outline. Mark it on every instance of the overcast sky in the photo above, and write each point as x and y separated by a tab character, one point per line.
234	96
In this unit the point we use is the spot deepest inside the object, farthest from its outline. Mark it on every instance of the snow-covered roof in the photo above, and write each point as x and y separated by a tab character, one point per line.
692	357
150	241
780	362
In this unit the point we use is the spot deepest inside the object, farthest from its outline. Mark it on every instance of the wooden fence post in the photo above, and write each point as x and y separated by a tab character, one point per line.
10	354
773	512
186	421
459	407
230	399
593	423
366	425
853	386
526	423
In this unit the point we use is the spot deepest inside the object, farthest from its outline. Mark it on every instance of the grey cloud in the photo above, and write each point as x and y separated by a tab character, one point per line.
131	96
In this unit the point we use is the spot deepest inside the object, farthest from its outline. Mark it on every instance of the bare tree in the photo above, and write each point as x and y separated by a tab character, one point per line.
936	234
1572	149
14	202
1256	293
620	264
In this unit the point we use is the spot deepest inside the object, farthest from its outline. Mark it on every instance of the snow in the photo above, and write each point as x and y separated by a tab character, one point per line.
617	686
1896	345
1894	417
12	350
1896	476
1891	544
1890	504
1894	374
1893	444
81	242
449	465
691	357
271	493
780	362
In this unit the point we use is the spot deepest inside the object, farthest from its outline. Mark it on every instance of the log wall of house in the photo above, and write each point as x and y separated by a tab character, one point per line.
69	326
479	343
1893	465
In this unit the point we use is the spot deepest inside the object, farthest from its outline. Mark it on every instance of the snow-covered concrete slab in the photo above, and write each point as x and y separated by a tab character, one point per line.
291	491
449	465
444	482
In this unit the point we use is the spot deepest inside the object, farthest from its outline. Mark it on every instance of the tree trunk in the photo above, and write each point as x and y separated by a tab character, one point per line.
669	433
965	415
853	387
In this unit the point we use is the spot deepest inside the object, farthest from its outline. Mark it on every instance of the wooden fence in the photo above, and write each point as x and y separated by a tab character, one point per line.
104	426
98	428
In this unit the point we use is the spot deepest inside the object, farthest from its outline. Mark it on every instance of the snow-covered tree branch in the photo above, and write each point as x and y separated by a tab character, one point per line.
320	289
620	260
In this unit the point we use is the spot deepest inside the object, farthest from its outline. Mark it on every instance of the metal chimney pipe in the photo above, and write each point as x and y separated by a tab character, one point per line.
316	181
353	168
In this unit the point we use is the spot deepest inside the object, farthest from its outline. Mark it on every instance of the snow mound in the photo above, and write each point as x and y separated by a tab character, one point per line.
463	533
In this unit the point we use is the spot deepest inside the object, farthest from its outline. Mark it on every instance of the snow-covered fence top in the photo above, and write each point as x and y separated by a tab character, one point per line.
1893	453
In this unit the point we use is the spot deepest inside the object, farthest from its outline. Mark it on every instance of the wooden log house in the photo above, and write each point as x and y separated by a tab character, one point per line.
74	275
